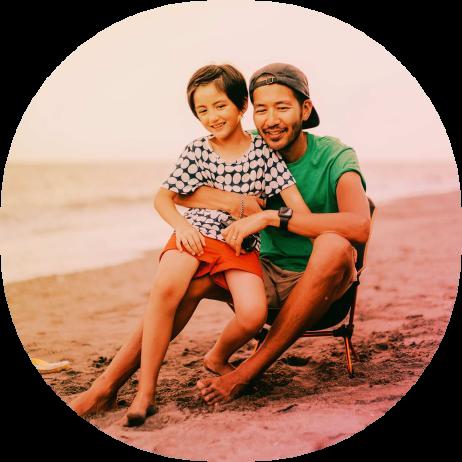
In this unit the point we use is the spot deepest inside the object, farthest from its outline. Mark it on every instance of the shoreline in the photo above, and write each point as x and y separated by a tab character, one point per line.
302	403
150	253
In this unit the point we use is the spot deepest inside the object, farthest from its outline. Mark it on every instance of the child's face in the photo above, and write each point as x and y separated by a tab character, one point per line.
216	112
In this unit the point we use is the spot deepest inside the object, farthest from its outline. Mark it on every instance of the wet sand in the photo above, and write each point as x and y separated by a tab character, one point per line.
306	400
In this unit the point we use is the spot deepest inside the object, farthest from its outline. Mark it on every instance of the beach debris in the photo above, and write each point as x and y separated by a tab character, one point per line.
285	409
45	367
101	361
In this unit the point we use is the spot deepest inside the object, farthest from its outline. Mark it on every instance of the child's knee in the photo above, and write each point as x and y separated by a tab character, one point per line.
165	289
253	319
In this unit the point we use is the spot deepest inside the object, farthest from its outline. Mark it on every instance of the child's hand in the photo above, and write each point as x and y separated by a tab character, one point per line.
189	237
235	233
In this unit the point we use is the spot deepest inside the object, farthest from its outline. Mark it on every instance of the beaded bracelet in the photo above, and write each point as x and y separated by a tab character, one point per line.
241	211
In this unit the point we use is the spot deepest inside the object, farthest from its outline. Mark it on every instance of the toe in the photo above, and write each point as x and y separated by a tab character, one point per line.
207	391
203	383
216	399
210	396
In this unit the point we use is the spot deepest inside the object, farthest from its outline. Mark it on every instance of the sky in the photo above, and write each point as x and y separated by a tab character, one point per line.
121	96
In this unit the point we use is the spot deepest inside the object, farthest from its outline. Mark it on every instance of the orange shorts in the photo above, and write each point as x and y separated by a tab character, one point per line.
219	257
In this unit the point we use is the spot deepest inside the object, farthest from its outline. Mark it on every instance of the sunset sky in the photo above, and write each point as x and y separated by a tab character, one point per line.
120	96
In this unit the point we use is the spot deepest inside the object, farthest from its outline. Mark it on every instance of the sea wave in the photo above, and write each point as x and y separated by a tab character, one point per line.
118	200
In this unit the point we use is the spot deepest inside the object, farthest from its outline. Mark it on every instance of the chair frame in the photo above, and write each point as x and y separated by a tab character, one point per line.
345	330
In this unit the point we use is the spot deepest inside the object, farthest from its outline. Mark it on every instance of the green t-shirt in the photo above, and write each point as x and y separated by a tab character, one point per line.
316	173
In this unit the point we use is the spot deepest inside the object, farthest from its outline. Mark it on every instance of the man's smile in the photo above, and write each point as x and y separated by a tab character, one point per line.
275	133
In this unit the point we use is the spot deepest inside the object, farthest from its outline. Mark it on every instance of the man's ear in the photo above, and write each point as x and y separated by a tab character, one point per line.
306	109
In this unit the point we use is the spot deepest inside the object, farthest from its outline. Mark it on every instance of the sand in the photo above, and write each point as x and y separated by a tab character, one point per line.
306	401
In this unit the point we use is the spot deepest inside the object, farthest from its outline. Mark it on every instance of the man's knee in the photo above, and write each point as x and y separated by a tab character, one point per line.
334	245
333	255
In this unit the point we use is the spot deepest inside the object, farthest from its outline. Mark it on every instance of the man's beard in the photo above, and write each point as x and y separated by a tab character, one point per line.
297	129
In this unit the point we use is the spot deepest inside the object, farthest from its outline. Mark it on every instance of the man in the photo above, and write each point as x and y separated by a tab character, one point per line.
308	259
310	262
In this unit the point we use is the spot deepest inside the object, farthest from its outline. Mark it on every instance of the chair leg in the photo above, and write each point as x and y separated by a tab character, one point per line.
355	356
348	355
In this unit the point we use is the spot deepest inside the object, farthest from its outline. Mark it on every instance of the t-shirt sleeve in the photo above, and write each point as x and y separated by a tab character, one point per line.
187	175
346	161
277	175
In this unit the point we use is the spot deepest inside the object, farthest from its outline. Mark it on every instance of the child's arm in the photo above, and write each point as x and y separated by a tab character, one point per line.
186	234
294	200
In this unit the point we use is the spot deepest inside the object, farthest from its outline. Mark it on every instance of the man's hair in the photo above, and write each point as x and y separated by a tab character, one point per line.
300	97
226	78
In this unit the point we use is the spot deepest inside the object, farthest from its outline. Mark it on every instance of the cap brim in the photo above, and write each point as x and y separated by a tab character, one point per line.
313	120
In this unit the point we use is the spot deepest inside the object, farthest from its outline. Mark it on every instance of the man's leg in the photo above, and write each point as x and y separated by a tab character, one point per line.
327	276
103	392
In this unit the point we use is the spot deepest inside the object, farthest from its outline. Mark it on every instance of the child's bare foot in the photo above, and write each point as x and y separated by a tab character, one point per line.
92	401
215	365
141	408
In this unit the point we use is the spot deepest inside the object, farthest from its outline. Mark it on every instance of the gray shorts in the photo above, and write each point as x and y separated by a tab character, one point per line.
279	282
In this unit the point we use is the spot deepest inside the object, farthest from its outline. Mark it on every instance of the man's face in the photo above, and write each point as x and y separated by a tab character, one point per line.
278	115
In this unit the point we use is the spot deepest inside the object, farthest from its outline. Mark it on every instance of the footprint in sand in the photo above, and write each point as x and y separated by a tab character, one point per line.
296	360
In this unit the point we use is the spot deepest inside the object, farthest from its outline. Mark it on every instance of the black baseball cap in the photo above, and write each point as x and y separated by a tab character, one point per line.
290	76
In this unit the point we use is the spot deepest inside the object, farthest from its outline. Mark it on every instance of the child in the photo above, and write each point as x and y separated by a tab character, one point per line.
232	160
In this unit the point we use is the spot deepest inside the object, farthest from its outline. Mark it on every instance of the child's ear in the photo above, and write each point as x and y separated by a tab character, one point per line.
245	107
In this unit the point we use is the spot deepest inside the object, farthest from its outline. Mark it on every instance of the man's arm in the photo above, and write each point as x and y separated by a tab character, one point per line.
351	221
206	197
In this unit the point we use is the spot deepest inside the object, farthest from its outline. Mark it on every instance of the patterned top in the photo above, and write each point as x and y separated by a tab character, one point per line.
259	171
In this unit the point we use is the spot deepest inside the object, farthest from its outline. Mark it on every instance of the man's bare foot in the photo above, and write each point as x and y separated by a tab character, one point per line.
216	366
141	408
93	401
221	389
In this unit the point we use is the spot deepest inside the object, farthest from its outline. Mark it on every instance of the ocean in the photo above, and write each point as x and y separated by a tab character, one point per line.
62	218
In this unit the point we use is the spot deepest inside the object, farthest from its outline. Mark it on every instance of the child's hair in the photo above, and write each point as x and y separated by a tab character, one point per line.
227	79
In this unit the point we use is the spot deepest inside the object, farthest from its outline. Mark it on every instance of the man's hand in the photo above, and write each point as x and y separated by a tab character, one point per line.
239	230
252	204
192	240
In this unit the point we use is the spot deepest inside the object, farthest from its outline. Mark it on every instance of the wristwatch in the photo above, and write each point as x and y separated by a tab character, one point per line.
284	214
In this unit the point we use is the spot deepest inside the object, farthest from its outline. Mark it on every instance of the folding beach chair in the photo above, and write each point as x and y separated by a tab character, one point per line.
337	312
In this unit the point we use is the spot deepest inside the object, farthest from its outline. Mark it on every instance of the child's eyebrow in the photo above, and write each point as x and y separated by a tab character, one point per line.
215	102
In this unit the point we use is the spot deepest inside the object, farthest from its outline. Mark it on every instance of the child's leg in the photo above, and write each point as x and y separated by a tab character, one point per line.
250	308
175	271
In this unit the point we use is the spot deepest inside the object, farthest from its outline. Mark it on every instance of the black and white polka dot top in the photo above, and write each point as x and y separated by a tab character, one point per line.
259	171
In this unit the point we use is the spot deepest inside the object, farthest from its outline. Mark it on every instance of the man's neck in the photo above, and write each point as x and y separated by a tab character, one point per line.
296	149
